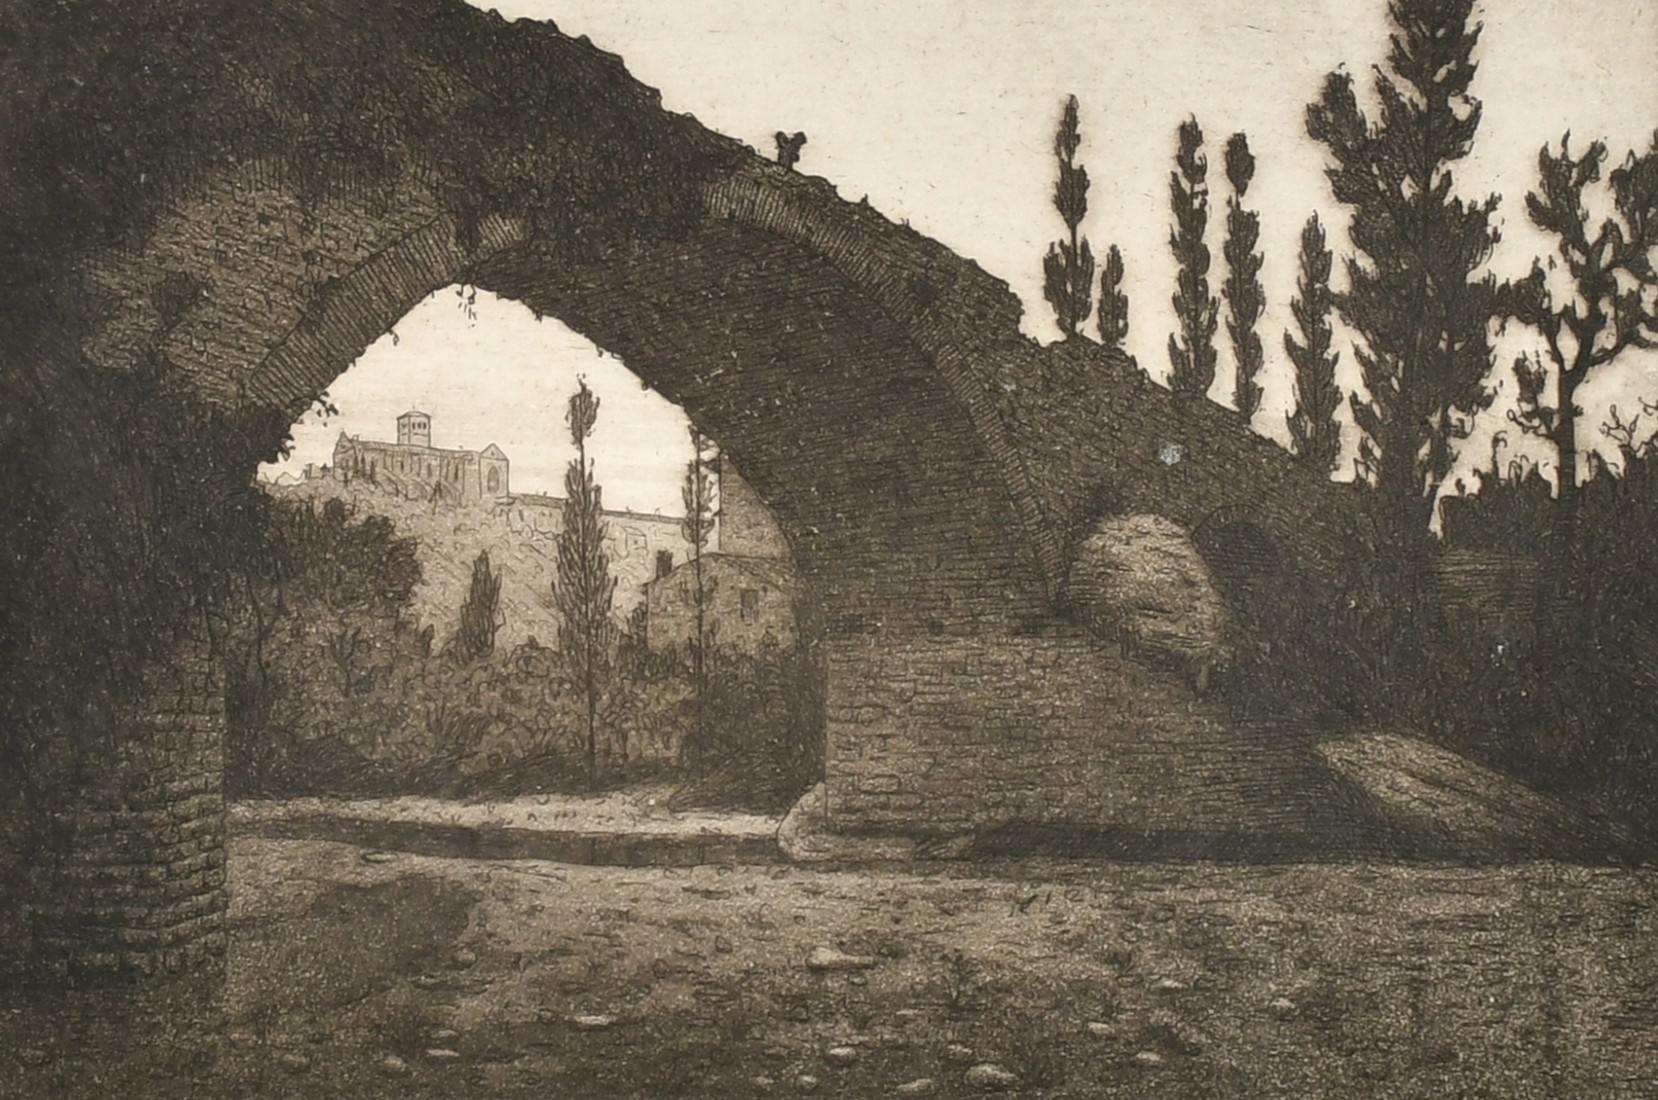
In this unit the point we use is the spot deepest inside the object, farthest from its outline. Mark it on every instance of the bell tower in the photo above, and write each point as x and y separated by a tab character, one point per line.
415	427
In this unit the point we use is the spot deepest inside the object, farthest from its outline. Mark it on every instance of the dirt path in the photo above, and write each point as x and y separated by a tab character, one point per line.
417	976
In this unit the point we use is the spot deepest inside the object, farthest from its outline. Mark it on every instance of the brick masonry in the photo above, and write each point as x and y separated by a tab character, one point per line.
141	888
948	735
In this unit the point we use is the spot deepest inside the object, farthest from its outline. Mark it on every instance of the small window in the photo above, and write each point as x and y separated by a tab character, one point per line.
751	604
664	562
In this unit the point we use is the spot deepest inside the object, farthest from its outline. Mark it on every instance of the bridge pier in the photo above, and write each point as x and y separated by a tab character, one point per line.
948	735
133	879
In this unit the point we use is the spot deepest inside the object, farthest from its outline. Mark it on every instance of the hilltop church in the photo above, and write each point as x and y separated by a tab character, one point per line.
414	469
748	581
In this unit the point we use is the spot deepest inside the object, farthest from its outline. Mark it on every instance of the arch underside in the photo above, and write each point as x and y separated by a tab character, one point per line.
896	513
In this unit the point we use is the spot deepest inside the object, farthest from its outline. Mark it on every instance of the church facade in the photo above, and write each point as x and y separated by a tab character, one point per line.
414	469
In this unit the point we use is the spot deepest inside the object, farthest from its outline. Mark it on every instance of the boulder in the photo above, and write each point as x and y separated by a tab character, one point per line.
1140	581
803	835
1439	803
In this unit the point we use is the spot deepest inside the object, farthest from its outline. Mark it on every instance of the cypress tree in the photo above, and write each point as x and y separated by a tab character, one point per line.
480	614
1192	350
1313	425
1068	269
1244	297
1113	303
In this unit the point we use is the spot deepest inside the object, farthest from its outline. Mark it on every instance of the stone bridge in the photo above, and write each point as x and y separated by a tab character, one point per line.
212	209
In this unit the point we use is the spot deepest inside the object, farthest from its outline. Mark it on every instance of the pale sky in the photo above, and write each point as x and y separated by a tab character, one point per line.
943	113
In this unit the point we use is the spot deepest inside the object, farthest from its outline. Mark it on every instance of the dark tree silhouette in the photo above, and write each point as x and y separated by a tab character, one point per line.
1243	293
1313	426
1068	269
1113	314
1192	350
480	615
585	590
1612	278
1415	297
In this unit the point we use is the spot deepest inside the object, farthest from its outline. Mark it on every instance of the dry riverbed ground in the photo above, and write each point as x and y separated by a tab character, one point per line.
356	973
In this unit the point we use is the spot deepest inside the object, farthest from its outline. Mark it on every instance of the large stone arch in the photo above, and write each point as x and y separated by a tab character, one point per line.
241	244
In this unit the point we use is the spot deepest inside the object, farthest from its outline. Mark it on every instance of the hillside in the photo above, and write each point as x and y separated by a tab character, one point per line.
525	553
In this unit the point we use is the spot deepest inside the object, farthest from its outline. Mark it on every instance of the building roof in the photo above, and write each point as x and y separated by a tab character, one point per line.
415	412
778	574
409	448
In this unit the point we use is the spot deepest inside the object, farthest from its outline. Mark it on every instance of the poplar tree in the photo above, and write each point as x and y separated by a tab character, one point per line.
1068	269
697	528
1313	426
585	589
1192	349
1113	315
1244	298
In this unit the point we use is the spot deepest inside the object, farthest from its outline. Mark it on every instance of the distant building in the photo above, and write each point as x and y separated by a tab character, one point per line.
747	603
748	572
415	470
748	579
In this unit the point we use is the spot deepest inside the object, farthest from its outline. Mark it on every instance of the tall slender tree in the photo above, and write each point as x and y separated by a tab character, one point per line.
480	614
1244	298
1113	316
1416	296
1192	350
1313	426
697	528
1068	269
585	590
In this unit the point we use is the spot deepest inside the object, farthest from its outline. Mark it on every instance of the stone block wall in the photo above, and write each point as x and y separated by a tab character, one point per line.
948	735
138	887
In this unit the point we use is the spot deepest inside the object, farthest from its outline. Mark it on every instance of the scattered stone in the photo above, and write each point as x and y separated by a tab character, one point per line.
293	1061
393	1066
829	958
1282	1006
909	1014
858	979
464	959
806	1082
844	1055
990	1077
1100	1029
33	1056
445	1035
595	1022
425	981
443	1055
956	1052
379	857
1174	1035
1170	985
241	1037
1148	1058
722	945
764	1083
918	1087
